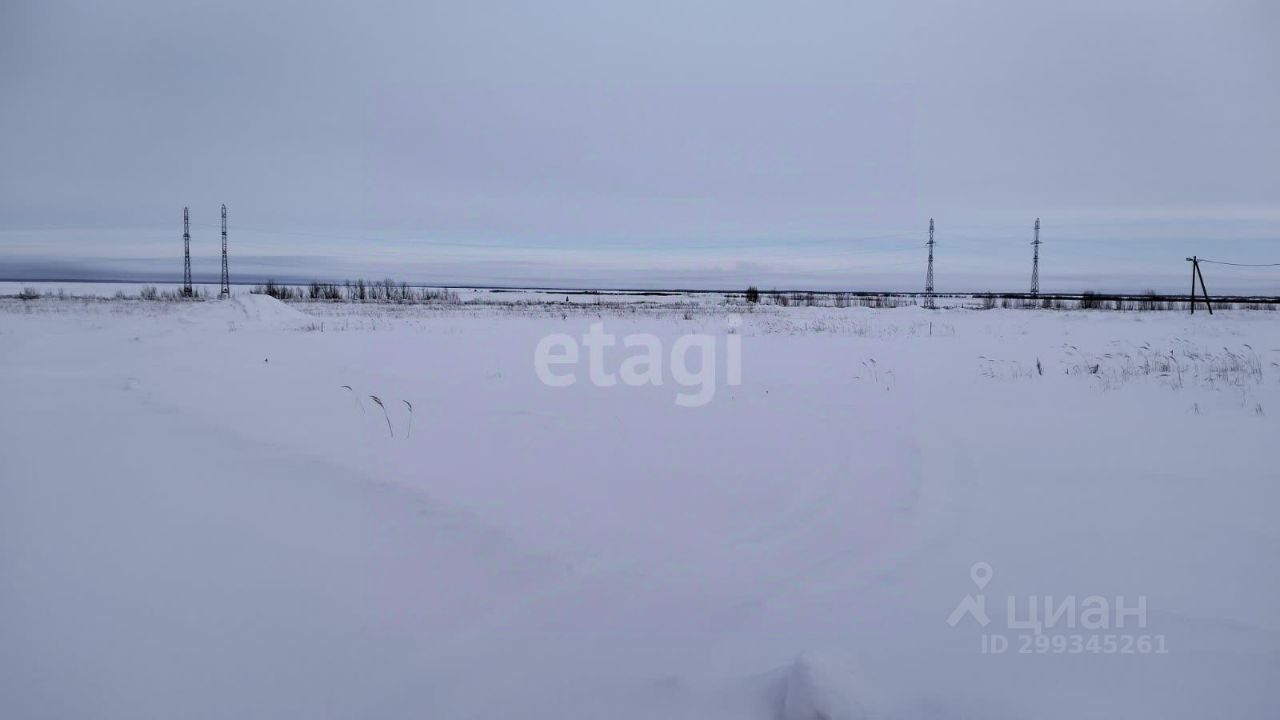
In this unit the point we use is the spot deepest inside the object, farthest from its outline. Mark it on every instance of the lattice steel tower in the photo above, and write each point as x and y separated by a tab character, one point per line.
928	278
186	254
226	277
1035	261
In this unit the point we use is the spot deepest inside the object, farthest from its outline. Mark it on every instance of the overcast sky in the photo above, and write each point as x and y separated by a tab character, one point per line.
691	143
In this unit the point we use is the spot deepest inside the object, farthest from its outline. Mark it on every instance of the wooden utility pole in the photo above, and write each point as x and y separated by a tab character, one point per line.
1195	273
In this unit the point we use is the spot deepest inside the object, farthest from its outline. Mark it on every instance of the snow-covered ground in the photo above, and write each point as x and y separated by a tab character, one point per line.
197	518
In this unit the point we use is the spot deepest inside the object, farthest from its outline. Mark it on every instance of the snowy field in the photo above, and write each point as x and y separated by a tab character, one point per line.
197	518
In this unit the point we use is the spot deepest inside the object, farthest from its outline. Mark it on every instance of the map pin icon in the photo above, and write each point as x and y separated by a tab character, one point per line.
980	573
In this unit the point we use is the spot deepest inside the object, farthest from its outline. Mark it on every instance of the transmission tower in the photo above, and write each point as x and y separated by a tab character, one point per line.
1035	262
226	277
186	254
928	278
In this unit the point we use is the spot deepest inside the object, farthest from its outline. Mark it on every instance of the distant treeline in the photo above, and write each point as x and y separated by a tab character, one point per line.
1148	301
390	291
147	292
383	291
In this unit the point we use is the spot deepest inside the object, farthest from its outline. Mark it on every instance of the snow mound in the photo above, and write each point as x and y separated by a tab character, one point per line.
264	308
821	688
250	309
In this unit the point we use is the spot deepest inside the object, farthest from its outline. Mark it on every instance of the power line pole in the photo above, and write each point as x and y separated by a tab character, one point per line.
1035	262
186	253
226	277
1195	272
928	278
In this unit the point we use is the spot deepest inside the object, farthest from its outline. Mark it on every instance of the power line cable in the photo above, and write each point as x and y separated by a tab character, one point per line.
1233	264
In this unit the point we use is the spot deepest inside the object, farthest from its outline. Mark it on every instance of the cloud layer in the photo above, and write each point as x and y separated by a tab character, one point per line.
647	143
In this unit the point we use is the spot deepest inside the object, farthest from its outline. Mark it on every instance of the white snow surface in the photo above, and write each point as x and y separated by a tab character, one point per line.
197	518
